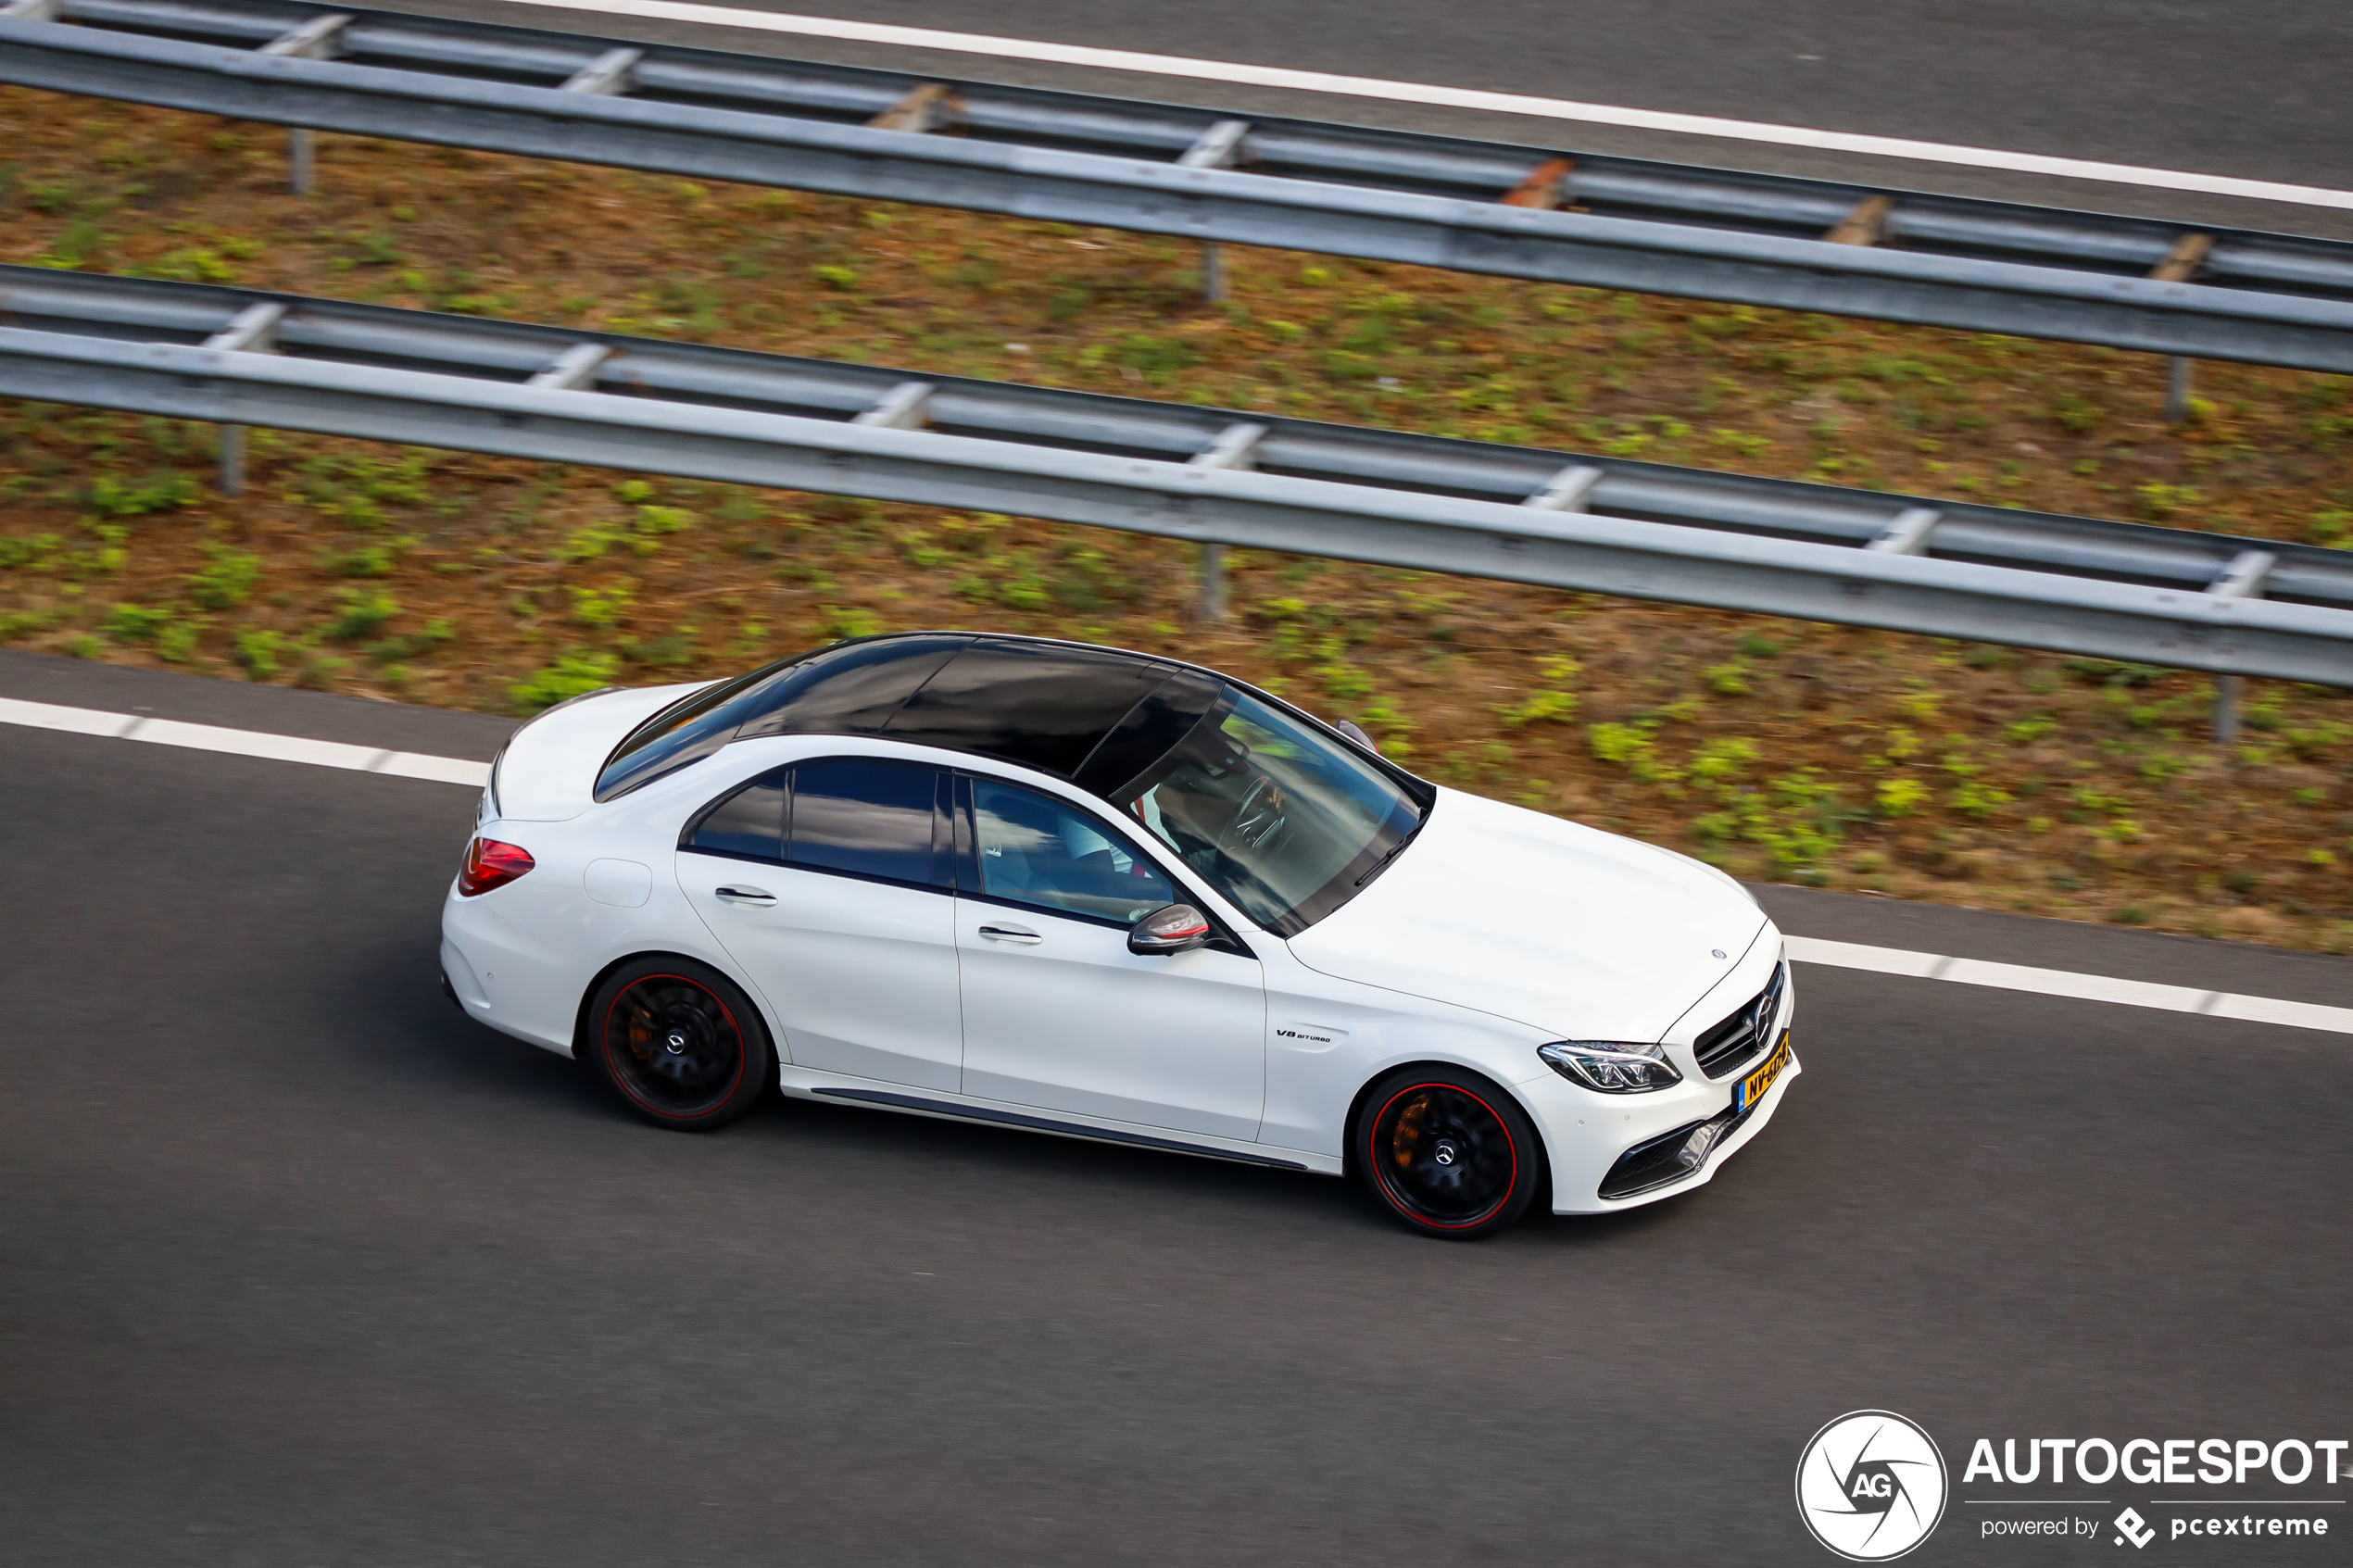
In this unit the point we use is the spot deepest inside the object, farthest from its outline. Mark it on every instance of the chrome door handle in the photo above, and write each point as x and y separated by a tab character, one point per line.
1020	933
733	894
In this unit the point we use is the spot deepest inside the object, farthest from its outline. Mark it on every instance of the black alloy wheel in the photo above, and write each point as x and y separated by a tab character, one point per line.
1448	1153
679	1043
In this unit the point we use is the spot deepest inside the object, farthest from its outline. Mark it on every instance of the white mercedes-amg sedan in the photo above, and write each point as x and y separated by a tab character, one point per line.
1109	896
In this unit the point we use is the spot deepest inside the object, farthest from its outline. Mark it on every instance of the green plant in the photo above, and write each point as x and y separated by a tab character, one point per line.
1900	797
1154	358
589	543
363	611
176	644
110	497
1974	798
368	560
137	624
1920	707
573	672
2156	501
601	606
852	623
1728	680
2031	728
411	644
36	553
228	577
653	523
257	651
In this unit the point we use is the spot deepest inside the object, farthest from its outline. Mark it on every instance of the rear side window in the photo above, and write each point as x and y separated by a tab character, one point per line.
1035	850
749	822
869	819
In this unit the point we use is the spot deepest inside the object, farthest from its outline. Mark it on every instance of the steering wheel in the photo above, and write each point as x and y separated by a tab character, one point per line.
1260	820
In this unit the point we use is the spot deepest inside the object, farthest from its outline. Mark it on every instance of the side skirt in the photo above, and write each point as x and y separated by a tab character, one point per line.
954	1111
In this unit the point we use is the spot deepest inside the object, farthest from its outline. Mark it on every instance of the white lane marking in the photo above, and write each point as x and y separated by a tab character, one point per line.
1456	97
244	743
1804	949
2070	985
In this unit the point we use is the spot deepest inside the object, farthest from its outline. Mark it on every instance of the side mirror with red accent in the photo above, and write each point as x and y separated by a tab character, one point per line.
1172	928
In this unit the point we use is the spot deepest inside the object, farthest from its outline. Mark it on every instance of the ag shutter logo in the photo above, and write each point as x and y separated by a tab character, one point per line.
1871	1486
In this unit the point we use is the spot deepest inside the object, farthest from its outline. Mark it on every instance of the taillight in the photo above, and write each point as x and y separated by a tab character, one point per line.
491	865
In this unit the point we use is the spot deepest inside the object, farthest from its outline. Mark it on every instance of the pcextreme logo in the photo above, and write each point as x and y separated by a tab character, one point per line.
1871	1486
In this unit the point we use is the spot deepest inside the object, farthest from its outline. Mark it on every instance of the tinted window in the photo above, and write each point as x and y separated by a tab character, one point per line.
686	730
871	818
1035	850
750	821
851	689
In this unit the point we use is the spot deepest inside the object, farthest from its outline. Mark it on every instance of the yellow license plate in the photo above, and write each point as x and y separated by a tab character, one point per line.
1753	1087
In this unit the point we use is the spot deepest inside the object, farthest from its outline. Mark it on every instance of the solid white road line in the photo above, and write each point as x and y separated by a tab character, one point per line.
1804	949
1455	97
244	743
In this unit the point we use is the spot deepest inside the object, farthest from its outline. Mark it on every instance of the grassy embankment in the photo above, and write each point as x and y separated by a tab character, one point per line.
1808	753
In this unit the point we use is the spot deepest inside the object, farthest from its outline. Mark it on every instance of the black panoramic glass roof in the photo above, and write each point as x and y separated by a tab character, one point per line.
1036	704
1094	715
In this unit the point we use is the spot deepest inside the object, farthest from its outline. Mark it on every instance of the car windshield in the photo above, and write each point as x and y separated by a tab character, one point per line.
1283	821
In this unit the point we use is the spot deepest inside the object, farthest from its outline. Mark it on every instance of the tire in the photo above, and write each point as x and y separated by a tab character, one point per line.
1446	1153
678	1043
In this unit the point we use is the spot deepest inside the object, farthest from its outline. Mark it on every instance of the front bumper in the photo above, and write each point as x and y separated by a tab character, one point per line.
1589	1137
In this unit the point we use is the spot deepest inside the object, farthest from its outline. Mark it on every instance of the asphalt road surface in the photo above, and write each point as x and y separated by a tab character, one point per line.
299	1267
2254	90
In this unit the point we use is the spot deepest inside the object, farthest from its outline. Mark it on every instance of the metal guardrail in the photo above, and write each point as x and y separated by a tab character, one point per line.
1604	524
1477	207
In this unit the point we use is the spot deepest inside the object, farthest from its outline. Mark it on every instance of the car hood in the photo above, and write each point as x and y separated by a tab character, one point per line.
1579	933
548	772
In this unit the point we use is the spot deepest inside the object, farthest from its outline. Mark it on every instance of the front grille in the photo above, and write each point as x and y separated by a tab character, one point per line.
1734	1043
1669	1157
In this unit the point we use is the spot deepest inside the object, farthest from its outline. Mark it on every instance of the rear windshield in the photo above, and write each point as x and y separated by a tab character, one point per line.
1281	819
693	727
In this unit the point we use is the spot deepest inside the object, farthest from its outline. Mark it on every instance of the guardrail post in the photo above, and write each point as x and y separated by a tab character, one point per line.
574	368
929	107
1220	146
1567	491
2177	389
1909	535
2181	265
611	74
1865	223
252	330
1546	187
320	38
1236	447
905	406
2242	579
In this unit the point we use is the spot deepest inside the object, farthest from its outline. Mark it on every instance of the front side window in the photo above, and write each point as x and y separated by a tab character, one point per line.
1278	817
870	819
1035	850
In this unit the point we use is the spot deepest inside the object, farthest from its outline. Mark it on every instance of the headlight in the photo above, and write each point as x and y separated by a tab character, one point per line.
1612	1067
